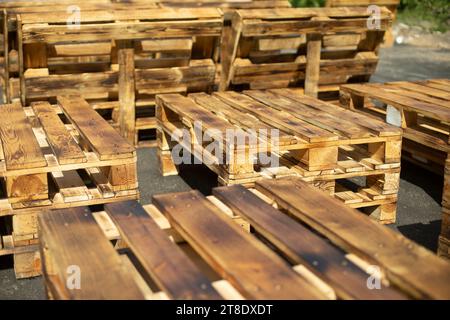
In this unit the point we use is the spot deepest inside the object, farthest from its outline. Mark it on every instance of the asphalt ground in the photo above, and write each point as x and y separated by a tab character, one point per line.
419	210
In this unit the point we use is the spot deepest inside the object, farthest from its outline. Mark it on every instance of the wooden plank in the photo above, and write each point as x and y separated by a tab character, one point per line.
70	185
407	265
301	245
407	103
303	13
407	91
187	108
102	16
250	266
179	277
242	119
230	36
127	89
20	146
64	146
53	34
253	27
102	138
325	120
50	86
73	238
275	118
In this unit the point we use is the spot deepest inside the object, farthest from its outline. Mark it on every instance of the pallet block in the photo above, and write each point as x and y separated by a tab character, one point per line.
244	137
235	244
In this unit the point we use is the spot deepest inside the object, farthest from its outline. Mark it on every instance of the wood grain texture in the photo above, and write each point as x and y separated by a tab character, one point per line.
20	147
64	146
103	139
127	114
407	265
73	238
302	246
249	265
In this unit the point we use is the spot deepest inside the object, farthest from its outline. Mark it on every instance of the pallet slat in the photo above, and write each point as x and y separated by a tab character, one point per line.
302	246
20	147
256	271
374	242
103	138
179	278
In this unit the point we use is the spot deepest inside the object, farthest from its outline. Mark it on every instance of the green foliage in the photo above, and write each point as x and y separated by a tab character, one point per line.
430	14
308	3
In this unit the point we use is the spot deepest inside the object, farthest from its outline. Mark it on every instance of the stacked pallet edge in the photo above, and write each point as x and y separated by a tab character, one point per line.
303	136
422	110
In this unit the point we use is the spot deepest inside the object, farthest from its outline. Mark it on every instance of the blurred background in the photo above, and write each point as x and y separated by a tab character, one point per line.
430	15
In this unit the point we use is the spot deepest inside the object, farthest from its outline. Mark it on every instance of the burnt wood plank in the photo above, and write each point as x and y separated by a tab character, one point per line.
104	140
64	146
407	265
168	266
276	118
250	266
302	246
73	238
238	117
20	146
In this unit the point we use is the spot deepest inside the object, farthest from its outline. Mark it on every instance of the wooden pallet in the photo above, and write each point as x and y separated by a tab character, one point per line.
317	49
422	110
390	4
315	140
56	157
166	58
9	63
211	253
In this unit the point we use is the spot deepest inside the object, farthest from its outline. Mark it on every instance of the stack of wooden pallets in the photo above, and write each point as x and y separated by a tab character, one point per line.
56	157
422	110
390	4
55	59
68	9
296	250
9	59
320	142
317	49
